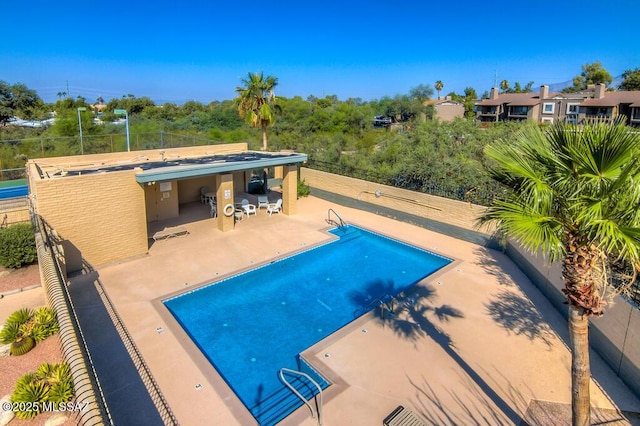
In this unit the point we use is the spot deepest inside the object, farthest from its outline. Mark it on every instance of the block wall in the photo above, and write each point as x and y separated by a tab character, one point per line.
103	215
440	209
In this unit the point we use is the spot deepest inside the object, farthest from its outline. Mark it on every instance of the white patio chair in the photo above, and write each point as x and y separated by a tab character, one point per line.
214	210
247	208
263	201
203	190
275	207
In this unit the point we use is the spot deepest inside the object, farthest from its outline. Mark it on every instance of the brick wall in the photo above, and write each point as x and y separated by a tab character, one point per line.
103	215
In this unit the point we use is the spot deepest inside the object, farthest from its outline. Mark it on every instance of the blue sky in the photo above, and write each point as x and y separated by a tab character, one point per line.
199	50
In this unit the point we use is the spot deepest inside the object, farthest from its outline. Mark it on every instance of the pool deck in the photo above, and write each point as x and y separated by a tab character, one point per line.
477	343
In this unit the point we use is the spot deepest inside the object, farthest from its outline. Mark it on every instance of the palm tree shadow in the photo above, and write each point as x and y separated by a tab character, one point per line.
519	315
495	264
409	318
431	406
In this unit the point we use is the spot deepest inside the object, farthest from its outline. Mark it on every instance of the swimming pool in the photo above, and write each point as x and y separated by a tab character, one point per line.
253	324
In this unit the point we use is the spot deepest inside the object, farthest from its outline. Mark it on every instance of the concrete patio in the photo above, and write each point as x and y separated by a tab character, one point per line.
479	345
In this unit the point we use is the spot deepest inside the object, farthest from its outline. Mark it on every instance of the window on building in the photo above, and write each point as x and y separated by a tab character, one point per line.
548	107
547	119
572	108
518	110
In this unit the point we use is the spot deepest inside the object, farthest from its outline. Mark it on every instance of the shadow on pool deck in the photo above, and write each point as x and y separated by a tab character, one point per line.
127	397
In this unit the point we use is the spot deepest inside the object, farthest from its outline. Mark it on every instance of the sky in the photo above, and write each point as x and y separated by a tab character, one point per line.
200	50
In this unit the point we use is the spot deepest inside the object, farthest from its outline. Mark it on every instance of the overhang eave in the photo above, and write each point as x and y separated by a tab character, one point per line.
180	172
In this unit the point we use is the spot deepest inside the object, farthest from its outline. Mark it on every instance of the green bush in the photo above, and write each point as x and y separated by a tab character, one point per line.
17	246
51	383
36	324
303	189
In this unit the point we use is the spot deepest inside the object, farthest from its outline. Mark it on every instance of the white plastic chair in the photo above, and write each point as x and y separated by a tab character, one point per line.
247	208
263	201
203	190
275	207
214	210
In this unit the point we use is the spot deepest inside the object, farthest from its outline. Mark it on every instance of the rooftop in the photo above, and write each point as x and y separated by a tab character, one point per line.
172	167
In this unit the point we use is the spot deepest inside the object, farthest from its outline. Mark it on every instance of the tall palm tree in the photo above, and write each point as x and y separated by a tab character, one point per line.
439	85
504	85
256	102
574	197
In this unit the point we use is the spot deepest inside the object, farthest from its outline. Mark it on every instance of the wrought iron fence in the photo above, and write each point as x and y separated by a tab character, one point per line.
74	346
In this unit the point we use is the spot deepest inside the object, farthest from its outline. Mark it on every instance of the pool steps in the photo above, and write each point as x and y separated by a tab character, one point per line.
284	371
281	403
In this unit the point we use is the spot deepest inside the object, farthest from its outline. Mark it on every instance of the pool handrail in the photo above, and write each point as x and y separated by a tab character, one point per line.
295	391
340	223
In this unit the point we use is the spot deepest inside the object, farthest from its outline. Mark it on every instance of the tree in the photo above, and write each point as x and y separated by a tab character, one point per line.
630	80
421	93
591	74
504	85
573	198
256	102
439	85
17	100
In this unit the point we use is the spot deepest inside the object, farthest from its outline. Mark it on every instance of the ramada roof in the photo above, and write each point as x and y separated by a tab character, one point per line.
148	170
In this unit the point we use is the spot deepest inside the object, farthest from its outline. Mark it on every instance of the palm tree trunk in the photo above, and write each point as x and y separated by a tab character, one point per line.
264	137
580	370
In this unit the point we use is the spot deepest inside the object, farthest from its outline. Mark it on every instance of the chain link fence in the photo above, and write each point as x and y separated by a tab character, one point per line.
44	146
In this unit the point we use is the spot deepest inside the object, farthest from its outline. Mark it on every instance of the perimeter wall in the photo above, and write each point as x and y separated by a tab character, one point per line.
615	336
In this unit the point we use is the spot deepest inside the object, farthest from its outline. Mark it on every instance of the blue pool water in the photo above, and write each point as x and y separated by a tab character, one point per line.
14	191
251	325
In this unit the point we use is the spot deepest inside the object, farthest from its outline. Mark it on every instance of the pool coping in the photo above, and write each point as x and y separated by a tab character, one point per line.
309	355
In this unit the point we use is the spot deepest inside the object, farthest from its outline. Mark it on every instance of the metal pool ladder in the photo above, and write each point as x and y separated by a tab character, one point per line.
339	222
294	390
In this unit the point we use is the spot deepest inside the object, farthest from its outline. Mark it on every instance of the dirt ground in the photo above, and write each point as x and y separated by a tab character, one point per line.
14	279
13	367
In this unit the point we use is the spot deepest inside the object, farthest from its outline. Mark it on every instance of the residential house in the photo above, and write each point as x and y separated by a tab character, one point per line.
609	105
544	107
508	106
447	109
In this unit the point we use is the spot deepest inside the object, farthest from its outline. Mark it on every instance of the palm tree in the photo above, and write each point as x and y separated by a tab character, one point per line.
257	102
504	85
574	197
439	85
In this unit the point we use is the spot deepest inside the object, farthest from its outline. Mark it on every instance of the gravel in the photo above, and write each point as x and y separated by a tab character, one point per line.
14	367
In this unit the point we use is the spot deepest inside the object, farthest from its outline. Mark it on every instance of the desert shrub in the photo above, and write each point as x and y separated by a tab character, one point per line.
303	189
25	327
45	323
17	246
22	345
50	383
13	327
